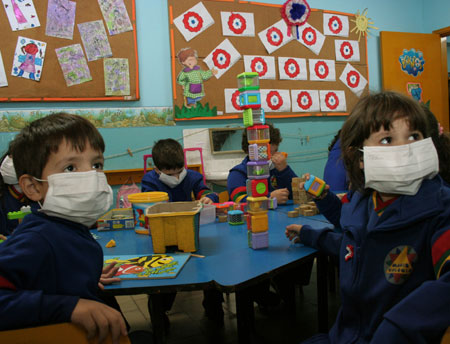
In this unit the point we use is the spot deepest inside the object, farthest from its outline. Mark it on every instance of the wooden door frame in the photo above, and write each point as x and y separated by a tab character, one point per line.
443	33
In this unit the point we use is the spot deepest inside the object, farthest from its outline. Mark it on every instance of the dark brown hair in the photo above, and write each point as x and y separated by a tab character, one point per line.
371	113
442	143
32	147
168	154
275	137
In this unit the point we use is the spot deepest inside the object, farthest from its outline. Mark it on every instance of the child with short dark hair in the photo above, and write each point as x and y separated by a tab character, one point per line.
51	266
171	176
394	244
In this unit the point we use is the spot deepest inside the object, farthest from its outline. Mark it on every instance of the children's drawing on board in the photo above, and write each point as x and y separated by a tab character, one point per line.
29	58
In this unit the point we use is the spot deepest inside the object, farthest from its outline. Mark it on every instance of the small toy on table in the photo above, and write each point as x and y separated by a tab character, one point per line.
236	217
110	244
314	186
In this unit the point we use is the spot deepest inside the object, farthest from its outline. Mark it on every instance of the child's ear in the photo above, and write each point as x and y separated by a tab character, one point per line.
31	188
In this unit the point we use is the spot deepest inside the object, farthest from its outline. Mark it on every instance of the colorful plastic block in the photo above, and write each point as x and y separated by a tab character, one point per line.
272	203
259	151
258	170
248	81
259	223
257	187
253	116
258	134
258	240
314	186
250	99
236	217
110	244
257	204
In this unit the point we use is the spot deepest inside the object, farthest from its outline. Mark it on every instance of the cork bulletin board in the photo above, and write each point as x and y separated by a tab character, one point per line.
52	85
255	55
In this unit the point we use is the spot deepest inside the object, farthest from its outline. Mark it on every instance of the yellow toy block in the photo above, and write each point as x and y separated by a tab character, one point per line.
257	204
110	244
259	223
174	224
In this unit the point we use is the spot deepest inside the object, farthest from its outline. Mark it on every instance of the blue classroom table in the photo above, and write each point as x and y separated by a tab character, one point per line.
229	265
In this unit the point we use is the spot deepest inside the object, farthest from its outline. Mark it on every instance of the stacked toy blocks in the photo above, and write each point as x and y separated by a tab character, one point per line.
258	172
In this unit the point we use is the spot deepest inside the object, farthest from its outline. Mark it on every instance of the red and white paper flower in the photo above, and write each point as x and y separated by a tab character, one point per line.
194	21
263	65
232	101
347	50
353	80
222	58
238	24
335	25
332	101
305	101
292	68
275	100
275	36
311	38
322	70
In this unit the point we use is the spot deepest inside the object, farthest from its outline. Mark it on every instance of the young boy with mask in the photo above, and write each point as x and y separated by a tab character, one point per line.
51	266
181	184
394	248
170	175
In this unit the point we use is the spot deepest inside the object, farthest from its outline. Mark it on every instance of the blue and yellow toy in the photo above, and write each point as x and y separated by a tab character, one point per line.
314	186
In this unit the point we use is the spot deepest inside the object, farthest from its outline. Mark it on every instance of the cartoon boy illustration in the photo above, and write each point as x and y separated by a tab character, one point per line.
191	77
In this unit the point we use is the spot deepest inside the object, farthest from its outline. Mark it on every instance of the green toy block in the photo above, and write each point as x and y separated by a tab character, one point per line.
17	215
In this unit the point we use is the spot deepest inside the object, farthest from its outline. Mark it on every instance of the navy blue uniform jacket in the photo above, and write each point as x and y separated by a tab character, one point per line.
394	268
46	265
193	182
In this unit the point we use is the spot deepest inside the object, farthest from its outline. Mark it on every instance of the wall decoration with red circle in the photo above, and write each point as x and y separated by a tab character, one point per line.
232	101
335	25
353	80
238	24
292	68
222	58
194	21
322	70
276	100
275	36
311	38
332	100
305	100
347	50
263	65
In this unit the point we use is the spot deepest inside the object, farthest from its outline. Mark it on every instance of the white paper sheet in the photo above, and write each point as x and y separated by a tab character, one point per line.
332	101
292	68
305	101
263	65
222	58
194	21
276	100
353	80
237	24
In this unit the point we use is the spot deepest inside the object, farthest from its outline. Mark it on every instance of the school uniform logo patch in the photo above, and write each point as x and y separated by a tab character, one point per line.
398	264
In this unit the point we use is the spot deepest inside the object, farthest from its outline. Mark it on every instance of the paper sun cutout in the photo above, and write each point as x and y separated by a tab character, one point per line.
295	13
362	24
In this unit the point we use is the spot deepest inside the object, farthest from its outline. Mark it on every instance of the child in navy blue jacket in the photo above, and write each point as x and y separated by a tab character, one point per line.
394	248
170	175
280	178
51	267
181	185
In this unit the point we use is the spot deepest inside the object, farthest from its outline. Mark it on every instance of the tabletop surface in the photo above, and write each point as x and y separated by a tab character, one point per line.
228	259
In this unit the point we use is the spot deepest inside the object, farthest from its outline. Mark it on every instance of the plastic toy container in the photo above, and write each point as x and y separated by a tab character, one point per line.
248	81
259	151
174	224
258	134
250	99
207	214
140	202
119	218
258	169
257	204
253	116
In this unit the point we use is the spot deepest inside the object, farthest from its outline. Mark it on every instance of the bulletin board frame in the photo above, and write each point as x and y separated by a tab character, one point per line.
265	15
52	86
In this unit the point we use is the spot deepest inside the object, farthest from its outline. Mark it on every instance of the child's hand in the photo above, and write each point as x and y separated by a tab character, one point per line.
279	161
214	71
282	195
206	200
293	232
98	318
107	276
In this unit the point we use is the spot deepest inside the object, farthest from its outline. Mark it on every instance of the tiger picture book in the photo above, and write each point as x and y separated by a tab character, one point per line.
148	266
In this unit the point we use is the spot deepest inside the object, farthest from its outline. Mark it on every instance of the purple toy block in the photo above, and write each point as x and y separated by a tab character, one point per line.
258	240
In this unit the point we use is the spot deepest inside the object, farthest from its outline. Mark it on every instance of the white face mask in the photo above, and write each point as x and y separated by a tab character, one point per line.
8	172
172	181
80	197
400	169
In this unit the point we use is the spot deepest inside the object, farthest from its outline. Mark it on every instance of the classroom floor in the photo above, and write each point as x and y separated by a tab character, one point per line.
189	324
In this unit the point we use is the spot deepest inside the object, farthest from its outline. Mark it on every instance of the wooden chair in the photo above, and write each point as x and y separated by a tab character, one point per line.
66	333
